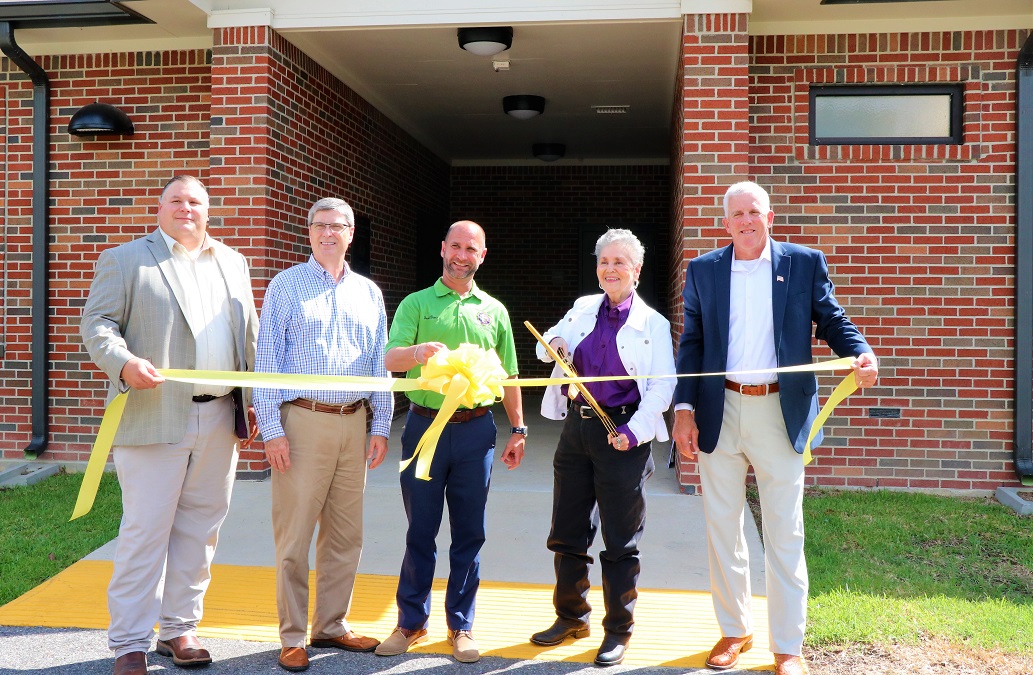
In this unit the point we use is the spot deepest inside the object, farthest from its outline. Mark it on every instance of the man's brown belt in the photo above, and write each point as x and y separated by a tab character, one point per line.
332	408
464	415
752	389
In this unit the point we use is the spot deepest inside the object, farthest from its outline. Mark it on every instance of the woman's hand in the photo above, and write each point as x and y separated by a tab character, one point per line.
561	347
620	442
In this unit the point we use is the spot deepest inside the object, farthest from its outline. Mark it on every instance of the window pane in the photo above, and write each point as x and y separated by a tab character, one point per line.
900	116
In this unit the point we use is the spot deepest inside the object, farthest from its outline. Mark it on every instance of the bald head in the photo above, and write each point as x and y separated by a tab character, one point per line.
466	227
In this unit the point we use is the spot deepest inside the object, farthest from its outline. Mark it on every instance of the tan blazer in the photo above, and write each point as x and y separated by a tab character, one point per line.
134	309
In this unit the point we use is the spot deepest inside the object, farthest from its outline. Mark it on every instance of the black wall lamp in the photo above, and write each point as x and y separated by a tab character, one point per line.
523	106
486	41
548	152
100	118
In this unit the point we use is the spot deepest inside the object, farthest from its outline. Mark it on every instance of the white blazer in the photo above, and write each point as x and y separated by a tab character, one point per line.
645	348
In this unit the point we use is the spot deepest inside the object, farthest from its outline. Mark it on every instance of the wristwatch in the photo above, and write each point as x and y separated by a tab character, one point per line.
520	430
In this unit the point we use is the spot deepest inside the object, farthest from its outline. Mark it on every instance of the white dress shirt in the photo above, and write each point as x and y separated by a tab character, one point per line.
751	330
206	306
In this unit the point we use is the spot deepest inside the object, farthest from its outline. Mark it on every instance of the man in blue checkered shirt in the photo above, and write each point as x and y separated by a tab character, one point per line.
321	318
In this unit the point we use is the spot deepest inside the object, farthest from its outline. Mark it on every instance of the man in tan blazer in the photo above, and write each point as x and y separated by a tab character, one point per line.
175	298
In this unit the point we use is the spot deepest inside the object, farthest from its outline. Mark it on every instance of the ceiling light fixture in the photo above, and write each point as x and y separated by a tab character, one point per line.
548	152
486	41
100	118
523	106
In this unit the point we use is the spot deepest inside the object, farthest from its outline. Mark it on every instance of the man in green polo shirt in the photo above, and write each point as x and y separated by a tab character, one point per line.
447	314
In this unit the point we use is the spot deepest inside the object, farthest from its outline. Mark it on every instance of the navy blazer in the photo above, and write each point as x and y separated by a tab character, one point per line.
802	296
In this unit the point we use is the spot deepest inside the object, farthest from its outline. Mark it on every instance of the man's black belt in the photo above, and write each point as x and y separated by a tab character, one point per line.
463	415
204	398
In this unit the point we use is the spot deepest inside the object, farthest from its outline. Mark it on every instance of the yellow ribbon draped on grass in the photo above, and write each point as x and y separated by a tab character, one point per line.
468	376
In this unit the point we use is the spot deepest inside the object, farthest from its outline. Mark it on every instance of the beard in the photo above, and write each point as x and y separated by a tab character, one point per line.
456	273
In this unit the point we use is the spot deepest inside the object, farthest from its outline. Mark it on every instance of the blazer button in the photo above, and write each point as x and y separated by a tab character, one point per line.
647	342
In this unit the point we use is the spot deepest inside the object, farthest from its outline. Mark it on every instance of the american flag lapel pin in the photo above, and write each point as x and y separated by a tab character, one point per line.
779	278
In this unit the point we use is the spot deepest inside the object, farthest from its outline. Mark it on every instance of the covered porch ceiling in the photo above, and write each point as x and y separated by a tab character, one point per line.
403	57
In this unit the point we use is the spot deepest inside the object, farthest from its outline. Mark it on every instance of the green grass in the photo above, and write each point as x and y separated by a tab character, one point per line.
36	539
896	567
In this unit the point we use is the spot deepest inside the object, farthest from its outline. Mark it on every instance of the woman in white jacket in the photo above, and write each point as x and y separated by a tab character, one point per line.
598	478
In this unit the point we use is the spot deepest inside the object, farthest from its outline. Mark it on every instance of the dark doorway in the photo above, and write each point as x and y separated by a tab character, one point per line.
359	250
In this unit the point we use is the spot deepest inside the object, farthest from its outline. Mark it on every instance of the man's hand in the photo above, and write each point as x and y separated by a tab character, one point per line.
278	452
377	451
866	370
686	434
140	374
514	452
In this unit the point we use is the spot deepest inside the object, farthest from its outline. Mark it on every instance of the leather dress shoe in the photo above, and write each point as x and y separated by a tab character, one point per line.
789	664
725	653
611	651
559	632
133	663
294	659
349	642
185	651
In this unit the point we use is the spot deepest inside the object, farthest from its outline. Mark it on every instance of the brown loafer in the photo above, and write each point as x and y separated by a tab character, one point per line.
133	663
790	664
294	659
725	653
185	651
349	641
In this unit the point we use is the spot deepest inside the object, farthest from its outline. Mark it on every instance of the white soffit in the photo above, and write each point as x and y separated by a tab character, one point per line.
327	14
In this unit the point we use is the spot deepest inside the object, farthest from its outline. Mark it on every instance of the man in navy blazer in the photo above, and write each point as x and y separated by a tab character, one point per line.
749	308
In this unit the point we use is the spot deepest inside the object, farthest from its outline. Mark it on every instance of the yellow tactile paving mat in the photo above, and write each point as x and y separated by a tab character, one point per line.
672	628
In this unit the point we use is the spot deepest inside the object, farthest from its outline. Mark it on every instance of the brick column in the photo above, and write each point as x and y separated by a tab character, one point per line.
241	186
713	108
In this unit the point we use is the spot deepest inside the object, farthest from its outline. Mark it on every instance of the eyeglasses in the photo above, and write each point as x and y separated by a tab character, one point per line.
336	228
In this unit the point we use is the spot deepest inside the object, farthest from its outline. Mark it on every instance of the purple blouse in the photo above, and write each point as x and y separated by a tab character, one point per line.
597	355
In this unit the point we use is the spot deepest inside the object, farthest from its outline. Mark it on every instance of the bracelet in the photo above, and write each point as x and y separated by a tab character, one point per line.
416	354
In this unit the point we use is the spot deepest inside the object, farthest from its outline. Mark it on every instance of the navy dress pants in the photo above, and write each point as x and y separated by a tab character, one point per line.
459	474
596	485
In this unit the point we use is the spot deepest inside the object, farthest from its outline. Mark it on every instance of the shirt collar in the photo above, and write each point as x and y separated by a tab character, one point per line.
172	243
624	307
745	265
320	271
442	290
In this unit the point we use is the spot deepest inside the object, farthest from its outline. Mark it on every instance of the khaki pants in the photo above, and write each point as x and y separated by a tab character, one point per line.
174	499
753	432
323	485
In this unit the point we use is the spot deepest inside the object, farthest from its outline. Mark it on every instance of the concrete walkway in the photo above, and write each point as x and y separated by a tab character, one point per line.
519	510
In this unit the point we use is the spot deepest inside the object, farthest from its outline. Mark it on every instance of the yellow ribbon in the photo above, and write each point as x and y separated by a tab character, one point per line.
468	376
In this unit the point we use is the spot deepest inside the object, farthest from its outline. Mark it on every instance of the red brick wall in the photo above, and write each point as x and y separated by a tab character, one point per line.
104	191
920	242
713	147
286	133
532	217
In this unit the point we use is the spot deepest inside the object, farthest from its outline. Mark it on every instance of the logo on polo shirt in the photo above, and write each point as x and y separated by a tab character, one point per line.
484	318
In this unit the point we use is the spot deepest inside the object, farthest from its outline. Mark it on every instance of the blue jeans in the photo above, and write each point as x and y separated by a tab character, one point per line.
460	473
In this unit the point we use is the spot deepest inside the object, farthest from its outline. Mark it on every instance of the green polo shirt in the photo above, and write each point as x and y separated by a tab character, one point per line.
438	314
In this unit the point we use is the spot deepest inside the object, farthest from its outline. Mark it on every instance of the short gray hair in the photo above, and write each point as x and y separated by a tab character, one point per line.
750	188
625	239
332	204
